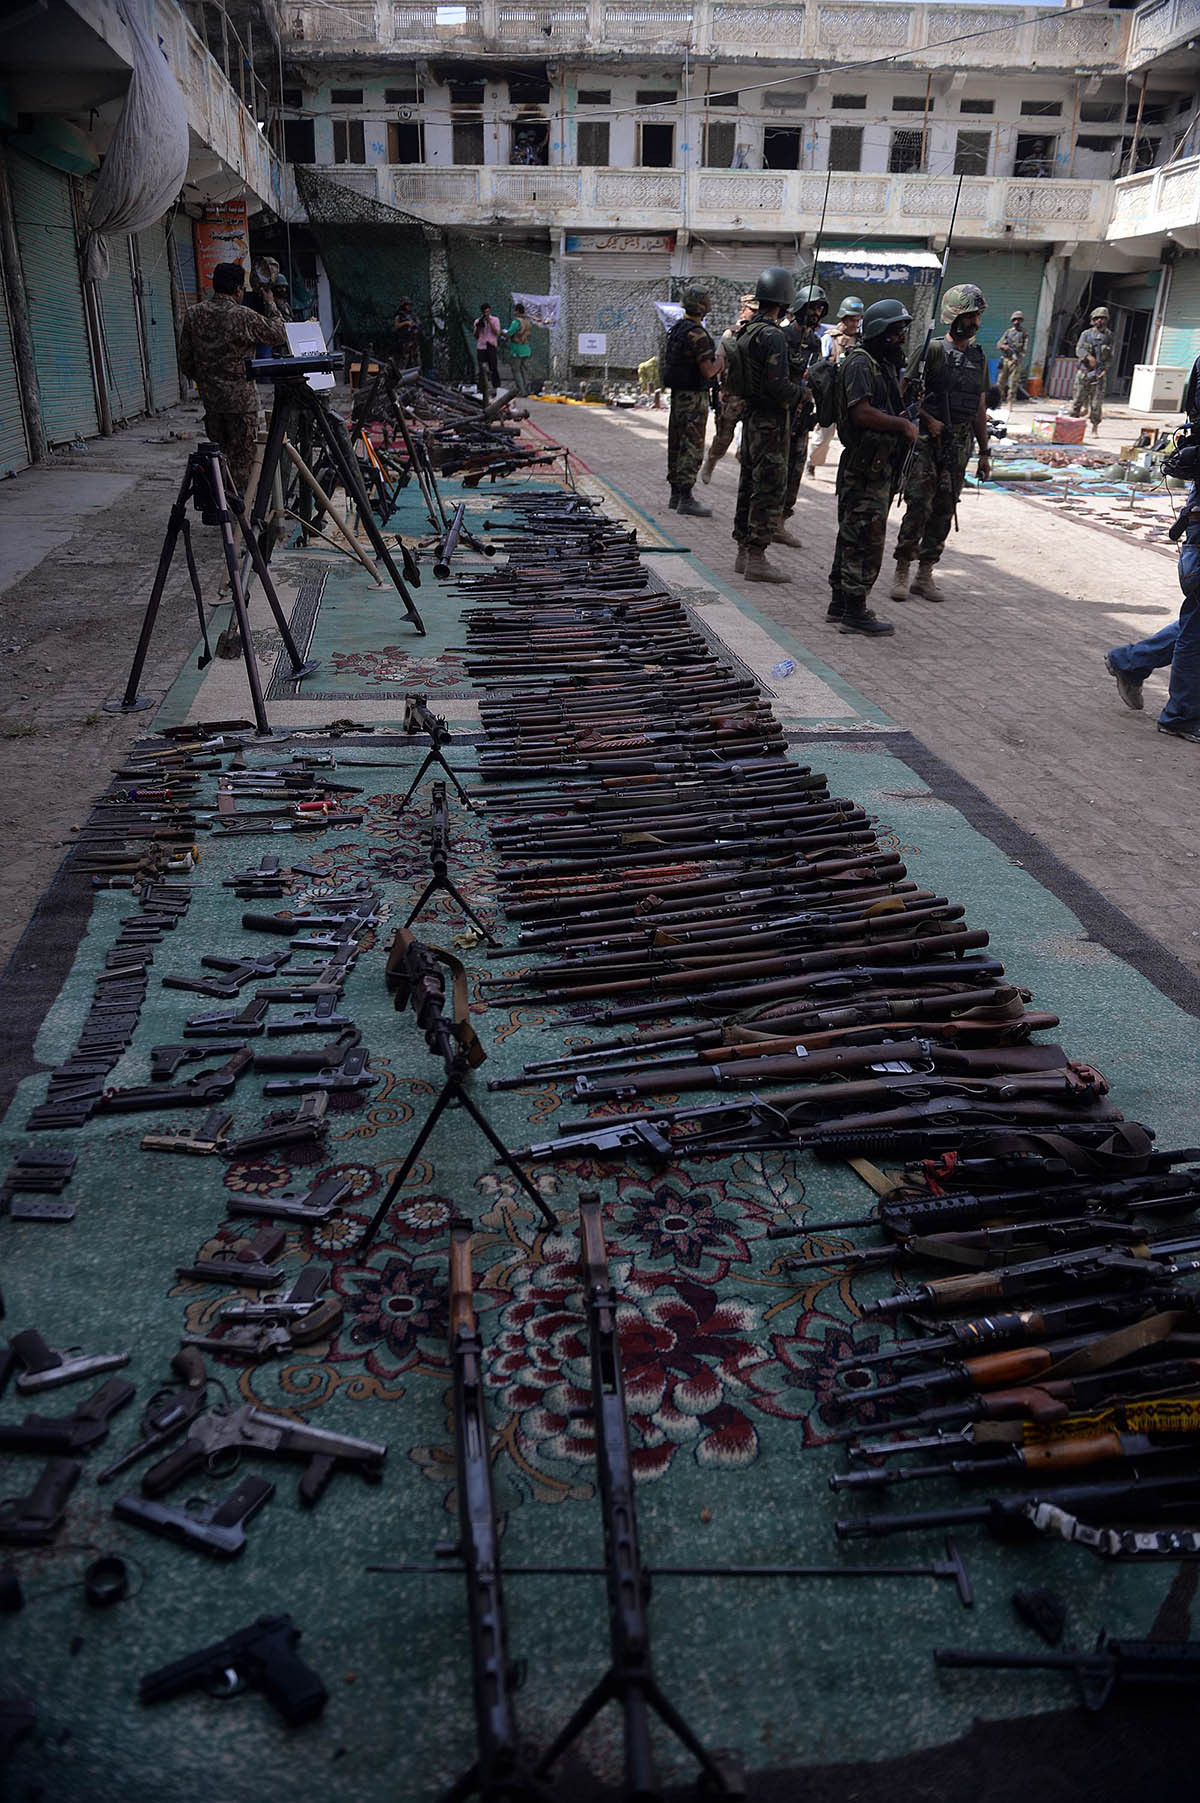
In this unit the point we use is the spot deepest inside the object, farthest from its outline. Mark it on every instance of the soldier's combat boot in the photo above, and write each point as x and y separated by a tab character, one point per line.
857	617
739	562
688	503
837	606
783	535
899	588
674	502
759	570
924	584
707	468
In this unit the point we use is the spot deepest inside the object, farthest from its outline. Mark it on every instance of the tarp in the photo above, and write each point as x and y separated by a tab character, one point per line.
147	159
882	265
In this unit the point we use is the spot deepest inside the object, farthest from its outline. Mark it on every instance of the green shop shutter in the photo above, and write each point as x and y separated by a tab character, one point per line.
1181	316
1010	280
122	335
62	357
14	452
160	323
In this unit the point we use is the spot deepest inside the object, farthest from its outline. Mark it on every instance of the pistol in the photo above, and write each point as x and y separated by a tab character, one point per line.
262	1655
248	1429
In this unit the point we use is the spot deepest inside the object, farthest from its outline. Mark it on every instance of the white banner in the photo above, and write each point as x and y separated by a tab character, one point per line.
540	309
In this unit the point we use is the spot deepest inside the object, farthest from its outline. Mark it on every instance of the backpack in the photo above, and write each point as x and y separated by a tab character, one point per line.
822	380
738	377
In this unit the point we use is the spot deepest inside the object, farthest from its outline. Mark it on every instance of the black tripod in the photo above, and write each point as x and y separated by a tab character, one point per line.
206	483
296	401
418	718
439	857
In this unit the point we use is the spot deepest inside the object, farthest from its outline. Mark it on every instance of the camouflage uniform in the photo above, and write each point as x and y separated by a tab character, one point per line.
1089	383
1012	346
214	343
867	474
804	347
691	345
766	433
955	380
733	411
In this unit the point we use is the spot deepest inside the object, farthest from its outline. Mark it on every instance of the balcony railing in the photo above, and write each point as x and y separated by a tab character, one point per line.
216	114
893	206
813	31
1158	201
1161	26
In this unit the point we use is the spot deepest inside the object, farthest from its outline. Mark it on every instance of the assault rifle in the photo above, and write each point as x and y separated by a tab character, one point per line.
916	394
1149	1663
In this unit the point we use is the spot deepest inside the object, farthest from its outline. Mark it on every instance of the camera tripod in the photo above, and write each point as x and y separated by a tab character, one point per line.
206	484
295	401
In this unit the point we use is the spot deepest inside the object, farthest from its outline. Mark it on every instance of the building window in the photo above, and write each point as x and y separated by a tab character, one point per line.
529	144
781	147
1041	109
299	141
1109	145
971	152
907	152
591	143
466	93
349	141
595	97
656	97
1099	112
734	100
908	103
466	141
657	146
720	142
406	141
976	106
293	98
345	96
403	96
845	146
528	90
1151	114
1034	156
849	103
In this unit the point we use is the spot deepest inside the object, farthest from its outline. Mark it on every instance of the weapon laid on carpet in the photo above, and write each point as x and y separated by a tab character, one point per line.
416	981
420	718
439	857
36	1517
262	1656
251	1430
68	1435
216	1529
1112	1663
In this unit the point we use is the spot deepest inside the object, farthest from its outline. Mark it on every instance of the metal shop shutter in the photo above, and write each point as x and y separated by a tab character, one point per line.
122	336
14	452
185	246
1009	279
46	236
1181	316
160	323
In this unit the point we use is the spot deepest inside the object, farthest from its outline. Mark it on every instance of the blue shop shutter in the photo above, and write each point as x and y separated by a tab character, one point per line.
14	452
47	240
122	336
160	323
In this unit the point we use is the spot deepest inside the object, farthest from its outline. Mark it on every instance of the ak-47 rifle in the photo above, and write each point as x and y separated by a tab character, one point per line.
915	395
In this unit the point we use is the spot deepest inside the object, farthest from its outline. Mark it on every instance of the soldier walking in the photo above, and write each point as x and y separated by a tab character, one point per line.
1012	345
732	408
875	437
804	348
771	393
953	413
843	336
691	363
1094	351
214	342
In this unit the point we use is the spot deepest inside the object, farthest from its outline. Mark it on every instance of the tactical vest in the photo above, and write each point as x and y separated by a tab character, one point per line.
680	368
957	381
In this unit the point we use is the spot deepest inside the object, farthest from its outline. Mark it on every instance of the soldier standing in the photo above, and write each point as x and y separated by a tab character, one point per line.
691	363
214	342
843	336
771	393
1012	345
953	413
875	437
804	348
732	408
1094	351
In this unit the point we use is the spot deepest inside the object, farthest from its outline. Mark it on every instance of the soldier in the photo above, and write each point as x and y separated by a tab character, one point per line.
1012	346
953	386
732	409
771	393
691	363
804	347
214	342
1094	351
875	436
835	345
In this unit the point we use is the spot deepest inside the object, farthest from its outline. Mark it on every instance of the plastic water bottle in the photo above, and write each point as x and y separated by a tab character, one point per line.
784	667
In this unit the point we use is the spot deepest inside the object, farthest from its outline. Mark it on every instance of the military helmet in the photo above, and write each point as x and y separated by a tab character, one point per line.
964	297
810	294
695	298
774	287
851	308
1099	313
1017	315
880	315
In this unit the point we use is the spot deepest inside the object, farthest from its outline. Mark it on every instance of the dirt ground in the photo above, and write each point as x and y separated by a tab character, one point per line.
1005	682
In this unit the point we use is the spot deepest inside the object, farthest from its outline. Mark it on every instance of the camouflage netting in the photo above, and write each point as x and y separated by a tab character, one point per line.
373	255
486	269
